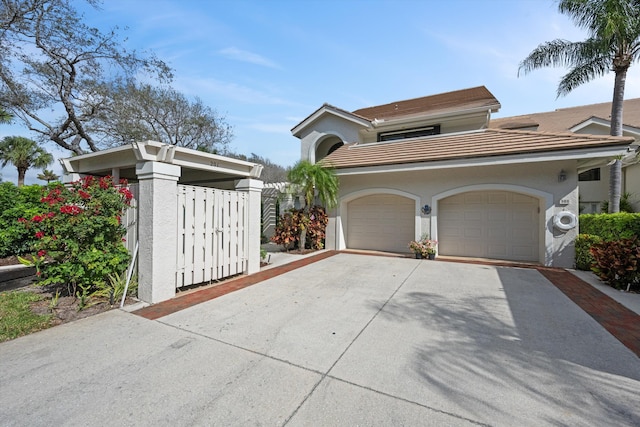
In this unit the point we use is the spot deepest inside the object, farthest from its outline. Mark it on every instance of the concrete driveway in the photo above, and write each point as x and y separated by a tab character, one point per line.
349	340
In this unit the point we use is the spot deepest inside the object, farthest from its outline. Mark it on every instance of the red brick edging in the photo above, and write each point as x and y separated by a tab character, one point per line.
181	302
622	323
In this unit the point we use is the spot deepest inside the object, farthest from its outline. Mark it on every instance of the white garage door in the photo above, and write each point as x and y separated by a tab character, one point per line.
382	222
489	224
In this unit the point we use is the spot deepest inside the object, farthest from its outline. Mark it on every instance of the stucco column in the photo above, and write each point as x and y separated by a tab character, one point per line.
157	230
69	177
252	232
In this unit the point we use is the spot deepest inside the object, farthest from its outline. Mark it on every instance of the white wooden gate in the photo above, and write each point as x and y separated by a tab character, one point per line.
212	241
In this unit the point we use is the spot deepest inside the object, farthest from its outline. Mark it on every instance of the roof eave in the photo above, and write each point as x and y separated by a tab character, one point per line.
607	152
435	116
328	109
605	123
129	155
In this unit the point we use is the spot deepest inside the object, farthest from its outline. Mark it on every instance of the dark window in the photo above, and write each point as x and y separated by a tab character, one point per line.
409	133
335	147
590	175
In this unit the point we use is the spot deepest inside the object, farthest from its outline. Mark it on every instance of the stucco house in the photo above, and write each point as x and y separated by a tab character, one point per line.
594	119
434	166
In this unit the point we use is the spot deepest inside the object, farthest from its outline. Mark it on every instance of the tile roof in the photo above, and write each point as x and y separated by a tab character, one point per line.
563	119
443	102
485	143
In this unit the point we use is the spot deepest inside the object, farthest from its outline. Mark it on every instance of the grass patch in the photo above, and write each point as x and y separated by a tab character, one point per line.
16	317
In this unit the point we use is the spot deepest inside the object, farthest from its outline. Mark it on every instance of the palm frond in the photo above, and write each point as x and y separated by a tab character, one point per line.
555	53
310	178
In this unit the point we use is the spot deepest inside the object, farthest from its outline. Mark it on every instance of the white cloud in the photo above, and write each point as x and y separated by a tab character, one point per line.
250	57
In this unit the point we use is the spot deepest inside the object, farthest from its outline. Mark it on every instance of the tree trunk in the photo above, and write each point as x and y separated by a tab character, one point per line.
615	183
615	170
21	173
303	239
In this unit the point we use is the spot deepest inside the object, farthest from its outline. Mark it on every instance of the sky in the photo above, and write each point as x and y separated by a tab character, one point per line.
265	65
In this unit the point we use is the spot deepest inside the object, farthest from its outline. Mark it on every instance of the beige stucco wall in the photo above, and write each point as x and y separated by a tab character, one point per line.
426	186
325	127
595	192
632	184
447	125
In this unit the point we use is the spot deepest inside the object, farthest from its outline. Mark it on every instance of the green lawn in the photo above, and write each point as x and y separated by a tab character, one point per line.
16	317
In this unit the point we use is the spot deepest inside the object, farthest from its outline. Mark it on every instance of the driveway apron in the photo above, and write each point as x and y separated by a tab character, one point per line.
349	340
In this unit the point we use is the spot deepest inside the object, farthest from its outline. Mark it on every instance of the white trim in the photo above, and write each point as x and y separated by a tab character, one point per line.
607	152
328	109
127	156
311	155
546	204
604	123
342	211
378	123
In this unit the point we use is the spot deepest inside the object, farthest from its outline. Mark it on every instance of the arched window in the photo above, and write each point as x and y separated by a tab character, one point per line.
327	146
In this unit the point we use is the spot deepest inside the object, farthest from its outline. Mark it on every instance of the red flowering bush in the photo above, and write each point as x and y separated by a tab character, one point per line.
617	262
16	204
80	237
287	232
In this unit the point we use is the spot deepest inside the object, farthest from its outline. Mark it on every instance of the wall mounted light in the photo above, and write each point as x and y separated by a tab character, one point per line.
426	210
562	176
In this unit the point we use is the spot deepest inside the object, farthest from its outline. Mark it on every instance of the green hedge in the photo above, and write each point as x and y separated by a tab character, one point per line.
611	226
584	257
16	203
605	227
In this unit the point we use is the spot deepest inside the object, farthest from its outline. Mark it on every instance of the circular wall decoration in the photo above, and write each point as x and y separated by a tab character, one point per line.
565	221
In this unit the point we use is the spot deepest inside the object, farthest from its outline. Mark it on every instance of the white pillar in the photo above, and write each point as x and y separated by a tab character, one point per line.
115	176
157	230
69	177
252	231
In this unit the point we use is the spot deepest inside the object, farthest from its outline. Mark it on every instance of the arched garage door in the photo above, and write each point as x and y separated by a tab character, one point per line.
489	224
381	222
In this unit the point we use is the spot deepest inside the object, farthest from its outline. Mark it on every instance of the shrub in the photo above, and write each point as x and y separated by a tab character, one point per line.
625	203
287	232
616	226
616	262
80	235
317	227
584	258
16	203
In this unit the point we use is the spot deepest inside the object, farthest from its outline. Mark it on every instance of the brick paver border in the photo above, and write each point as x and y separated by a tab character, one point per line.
622	323
181	302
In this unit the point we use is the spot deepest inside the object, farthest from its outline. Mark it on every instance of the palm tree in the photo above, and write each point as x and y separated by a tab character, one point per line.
613	45
4	116
313	180
23	153
48	175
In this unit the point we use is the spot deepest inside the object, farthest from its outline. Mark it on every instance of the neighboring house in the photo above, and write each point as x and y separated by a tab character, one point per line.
594	119
431	166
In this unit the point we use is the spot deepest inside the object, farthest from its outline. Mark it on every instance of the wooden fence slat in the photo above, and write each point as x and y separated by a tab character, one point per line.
208	236
199	250
212	241
182	238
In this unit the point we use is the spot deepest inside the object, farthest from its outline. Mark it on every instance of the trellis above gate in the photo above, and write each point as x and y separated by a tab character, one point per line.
198	214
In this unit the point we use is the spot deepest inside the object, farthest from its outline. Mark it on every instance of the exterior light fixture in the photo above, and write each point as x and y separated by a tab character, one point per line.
426	210
562	176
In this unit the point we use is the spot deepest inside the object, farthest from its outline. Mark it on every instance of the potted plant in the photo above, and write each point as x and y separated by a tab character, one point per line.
417	247
430	248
